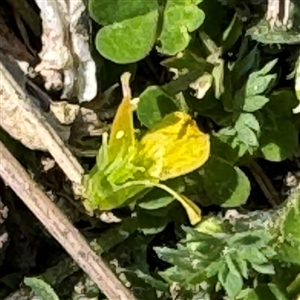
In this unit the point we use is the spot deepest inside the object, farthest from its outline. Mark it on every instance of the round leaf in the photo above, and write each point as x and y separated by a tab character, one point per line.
128	41
107	12
224	184
280	143
154	104
179	20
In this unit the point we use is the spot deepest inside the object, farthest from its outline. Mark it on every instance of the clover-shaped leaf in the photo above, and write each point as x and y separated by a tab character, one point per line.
180	17
154	104
107	12
130	40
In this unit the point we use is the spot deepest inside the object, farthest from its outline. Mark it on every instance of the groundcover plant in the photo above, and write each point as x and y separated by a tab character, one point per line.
206	120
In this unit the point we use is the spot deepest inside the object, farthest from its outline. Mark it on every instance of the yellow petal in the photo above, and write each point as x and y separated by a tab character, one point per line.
176	146
122	131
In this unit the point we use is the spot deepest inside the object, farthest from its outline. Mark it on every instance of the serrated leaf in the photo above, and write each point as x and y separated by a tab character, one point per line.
289	253
253	255
128	41
247	136
258	85
263	32
231	280
253	103
157	284
256	238
248	120
213	268
279	143
224	184
154	104
247	128
180	18
107	12
242	265
41	288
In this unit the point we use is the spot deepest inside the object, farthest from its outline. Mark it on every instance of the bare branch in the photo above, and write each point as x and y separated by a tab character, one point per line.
60	228
23	120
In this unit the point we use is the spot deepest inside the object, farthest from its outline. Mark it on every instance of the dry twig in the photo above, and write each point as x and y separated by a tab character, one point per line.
60	228
23	120
264	183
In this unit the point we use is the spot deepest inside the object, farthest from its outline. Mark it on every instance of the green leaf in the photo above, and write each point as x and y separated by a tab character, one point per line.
247	128
257	85
221	146
291	224
154	104
180	18
157	203
289	253
282	102
230	278
187	60
242	265
157	284
297	78
294	287
258	82
232	33
253	103
224	184
115	235
280	142
253	255
41	288
244	64
128	41
261	292
279	295
158	198
263	268
150	224
108	12
289	245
